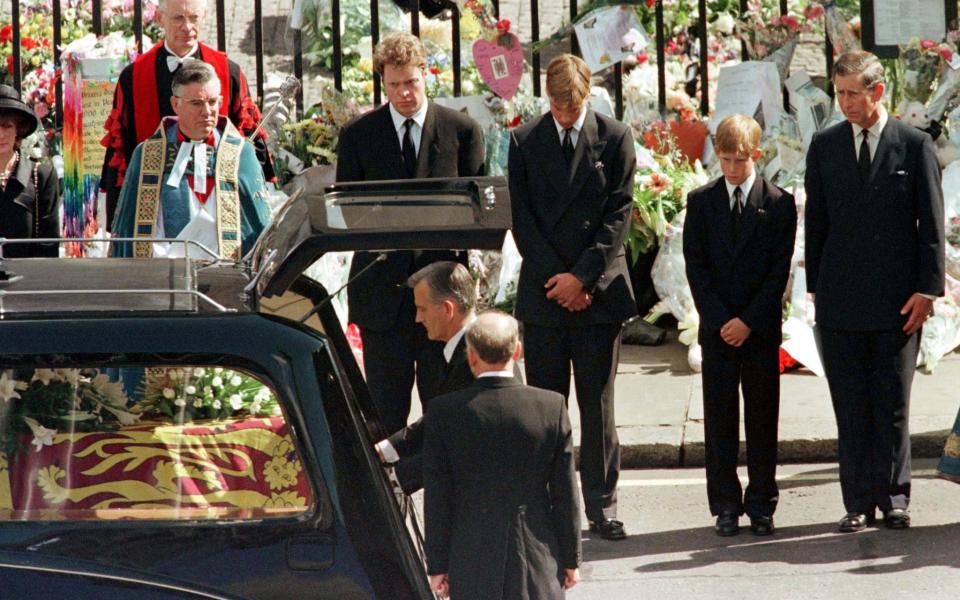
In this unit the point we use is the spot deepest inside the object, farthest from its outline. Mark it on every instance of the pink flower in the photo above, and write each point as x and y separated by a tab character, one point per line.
792	23
775	22
946	54
41	110
813	11
927	44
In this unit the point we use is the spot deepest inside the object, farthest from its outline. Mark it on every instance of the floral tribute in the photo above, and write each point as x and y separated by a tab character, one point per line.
190	393
660	189
40	75
765	35
43	402
312	141
37	404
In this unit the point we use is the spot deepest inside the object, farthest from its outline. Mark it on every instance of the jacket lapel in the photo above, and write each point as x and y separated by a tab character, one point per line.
720	205
554	167
751	214
588	151
428	143
889	149
393	157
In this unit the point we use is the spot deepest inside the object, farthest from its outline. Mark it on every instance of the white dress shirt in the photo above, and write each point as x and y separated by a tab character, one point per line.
745	188
873	137
575	130
416	130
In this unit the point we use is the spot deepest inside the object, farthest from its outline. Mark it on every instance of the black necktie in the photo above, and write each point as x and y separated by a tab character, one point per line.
567	146
863	161
736	212
409	153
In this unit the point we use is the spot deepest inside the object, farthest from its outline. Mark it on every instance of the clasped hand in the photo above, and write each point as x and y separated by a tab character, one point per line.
735	332
567	291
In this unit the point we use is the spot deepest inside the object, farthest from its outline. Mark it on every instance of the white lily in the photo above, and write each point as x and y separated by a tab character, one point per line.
9	387
71	376
112	391
44	376
125	418
41	435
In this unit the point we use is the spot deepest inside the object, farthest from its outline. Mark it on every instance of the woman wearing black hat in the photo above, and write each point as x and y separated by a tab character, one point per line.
29	192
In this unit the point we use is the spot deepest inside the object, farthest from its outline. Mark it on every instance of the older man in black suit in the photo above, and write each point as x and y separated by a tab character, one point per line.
407	138
875	262
497	527
571	189
446	298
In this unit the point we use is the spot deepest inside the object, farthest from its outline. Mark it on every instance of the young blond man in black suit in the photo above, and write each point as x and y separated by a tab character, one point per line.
571	191
738	241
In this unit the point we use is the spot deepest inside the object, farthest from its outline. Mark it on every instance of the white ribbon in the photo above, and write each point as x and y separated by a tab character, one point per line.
199	150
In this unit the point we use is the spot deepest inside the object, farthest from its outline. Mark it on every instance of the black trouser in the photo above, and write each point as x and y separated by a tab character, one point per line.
594	351
754	368
870	374
391	360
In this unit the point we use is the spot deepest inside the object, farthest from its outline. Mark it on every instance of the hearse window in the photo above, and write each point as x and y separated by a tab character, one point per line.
185	443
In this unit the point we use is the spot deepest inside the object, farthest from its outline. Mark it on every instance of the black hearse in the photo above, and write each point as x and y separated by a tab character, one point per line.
198	428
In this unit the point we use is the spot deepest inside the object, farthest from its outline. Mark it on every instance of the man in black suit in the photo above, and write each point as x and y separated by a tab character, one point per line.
500	501
407	138
737	244
875	262
445	297
571	189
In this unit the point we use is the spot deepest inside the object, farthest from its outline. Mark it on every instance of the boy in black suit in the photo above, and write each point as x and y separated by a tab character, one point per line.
738	242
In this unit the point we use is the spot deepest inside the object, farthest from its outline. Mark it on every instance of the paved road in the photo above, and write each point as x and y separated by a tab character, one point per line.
673	553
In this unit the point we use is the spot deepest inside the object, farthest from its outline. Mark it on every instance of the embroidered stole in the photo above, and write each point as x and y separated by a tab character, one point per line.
227	190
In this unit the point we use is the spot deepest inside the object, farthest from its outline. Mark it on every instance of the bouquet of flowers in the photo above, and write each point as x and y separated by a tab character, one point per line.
42	402
36	46
775	38
313	140
920	60
185	394
660	191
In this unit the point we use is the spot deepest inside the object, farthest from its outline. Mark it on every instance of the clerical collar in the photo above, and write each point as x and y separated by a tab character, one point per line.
191	54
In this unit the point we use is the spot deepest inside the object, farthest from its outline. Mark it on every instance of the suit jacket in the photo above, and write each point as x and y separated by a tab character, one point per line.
871	245
745	277
499	481
451	145
573	220
30	208
409	440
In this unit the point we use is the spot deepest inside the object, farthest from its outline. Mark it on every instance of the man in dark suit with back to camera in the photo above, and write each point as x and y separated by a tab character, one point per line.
405	139
571	190
445	296
500	503
875	263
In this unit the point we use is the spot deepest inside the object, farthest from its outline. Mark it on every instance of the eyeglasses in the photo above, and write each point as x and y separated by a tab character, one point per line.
199	103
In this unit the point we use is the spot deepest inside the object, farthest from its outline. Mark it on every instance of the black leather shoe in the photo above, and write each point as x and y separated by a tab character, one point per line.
609	529
761	525
896	518
727	524
853	522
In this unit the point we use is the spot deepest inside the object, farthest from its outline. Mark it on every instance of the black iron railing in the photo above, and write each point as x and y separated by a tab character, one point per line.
534	55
